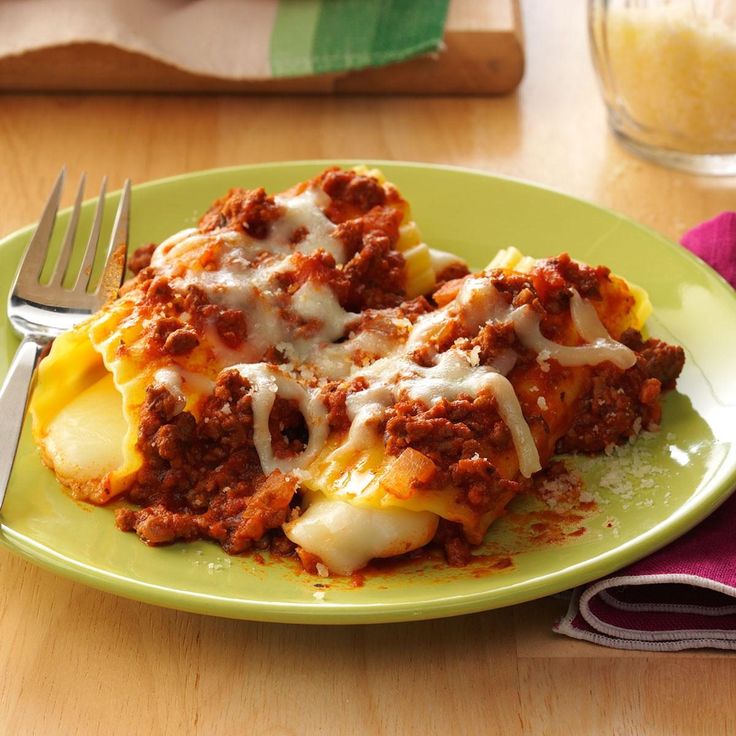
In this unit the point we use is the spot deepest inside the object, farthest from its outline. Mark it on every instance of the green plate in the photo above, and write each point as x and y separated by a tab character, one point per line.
647	495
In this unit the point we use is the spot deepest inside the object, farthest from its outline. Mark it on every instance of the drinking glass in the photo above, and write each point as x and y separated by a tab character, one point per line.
667	70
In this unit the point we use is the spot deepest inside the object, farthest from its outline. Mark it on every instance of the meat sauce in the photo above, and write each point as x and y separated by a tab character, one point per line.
201	476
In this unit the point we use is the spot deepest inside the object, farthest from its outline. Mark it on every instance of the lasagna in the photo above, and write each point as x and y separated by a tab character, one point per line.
301	372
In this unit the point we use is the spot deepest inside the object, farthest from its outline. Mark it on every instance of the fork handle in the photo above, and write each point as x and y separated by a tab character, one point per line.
13	399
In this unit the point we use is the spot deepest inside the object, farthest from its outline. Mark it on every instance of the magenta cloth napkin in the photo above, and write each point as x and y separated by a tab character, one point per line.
683	596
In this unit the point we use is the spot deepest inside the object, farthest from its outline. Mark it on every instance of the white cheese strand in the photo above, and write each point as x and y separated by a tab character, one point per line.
452	376
477	302
586	320
170	250
267	382
300	212
365	410
599	350
510	410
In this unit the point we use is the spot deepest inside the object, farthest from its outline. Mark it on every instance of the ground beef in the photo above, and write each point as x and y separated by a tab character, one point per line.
372	279
655	358
237	522
351	233
289	431
376	275
298	235
477	477
280	544
382	220
267	508
413	309
492	339
352	194
159	526
180	342
556	278
159	290
513	284
318	268
457	436
251	211
334	395
170	336
161	406
232	327
178	319
603	418
619	404
203	478
141	258
450	537
623	402
161	328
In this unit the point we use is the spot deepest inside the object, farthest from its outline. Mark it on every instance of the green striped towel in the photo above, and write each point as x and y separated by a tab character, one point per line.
317	36
235	39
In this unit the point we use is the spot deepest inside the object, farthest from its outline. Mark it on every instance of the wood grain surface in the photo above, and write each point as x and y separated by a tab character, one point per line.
78	661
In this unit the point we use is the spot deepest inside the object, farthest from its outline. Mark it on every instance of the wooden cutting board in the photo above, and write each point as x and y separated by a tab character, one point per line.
483	54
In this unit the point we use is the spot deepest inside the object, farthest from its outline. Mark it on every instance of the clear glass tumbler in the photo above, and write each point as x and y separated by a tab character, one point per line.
667	69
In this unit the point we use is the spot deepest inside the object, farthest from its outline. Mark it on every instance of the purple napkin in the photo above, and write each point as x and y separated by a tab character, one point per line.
683	596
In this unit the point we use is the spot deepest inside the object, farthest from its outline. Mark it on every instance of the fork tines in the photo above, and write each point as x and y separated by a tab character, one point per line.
82	294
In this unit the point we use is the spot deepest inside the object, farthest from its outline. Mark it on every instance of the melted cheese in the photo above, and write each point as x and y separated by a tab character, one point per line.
317	303
600	349
451	377
248	270
303	212
268	383
306	212
346	537
477	303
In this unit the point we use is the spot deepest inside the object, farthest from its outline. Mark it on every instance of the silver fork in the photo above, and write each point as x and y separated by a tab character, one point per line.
38	312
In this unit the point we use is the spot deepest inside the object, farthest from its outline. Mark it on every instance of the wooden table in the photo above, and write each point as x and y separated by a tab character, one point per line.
77	661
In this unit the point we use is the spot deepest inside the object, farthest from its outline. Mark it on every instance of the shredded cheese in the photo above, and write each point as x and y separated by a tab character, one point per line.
673	70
